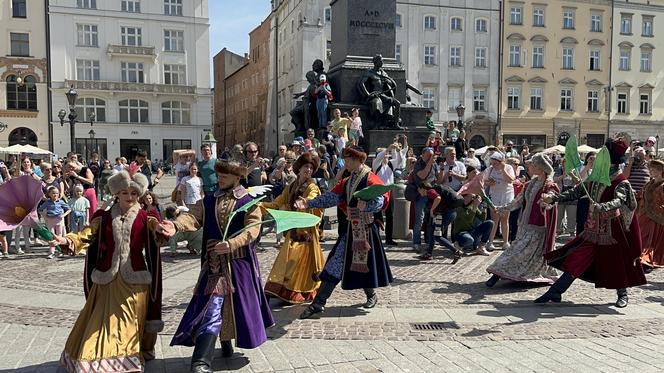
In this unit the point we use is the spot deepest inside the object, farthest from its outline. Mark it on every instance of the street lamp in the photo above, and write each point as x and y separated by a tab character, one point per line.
92	134
72	117
461	110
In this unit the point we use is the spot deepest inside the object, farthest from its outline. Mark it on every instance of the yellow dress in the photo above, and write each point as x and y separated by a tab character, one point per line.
111	333
294	275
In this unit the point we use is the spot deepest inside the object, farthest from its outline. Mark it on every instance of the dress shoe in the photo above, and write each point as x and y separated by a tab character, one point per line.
492	281
622	301
549	297
371	301
310	311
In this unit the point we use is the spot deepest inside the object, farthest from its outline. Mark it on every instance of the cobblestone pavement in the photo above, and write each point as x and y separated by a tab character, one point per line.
436	317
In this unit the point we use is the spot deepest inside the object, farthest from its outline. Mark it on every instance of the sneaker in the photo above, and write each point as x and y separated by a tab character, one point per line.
50	256
482	251
506	245
490	247
58	254
18	252
426	256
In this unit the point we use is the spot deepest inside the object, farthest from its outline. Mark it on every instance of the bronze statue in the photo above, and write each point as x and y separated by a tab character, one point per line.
379	91
303	115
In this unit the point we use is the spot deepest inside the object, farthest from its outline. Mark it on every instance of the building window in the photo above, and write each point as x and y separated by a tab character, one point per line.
596	23
456	24
536	98
429	55
455	56
173	7
566	99
429	23
481	25
647	29
454	98
479	100
538	17
20	44
622	103
397	21
87	69
24	96
88	105
87	35
132	36
132	6
175	74
568	58
513	94
397	53
170	145
87	4
625	58
328	14
538	57
593	101
174	41
568	19
133	111
19	9
132	72
626	24
516	15
480	57
646	60
429	98
644	103
594	60
176	112
515	55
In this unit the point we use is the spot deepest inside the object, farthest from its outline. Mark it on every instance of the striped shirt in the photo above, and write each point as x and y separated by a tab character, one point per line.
639	176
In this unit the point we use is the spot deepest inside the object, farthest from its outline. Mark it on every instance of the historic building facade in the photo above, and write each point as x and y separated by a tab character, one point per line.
241	88
555	72
450	51
637	95
141	66
24	106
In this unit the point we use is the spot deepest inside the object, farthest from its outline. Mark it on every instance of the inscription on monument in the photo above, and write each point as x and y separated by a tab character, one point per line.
368	22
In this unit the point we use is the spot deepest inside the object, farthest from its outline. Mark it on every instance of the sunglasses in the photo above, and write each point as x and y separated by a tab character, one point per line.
252	151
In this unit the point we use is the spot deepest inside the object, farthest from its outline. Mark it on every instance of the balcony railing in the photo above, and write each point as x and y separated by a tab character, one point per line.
130	50
98	85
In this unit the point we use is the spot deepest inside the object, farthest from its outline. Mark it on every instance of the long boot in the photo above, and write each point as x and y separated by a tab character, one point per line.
622	298
201	359
554	294
226	349
372	298
318	305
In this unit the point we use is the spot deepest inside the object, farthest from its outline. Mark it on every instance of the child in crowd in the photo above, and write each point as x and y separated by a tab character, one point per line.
194	239
191	186
355	132
80	209
323	96
5	245
54	211
150	202
340	140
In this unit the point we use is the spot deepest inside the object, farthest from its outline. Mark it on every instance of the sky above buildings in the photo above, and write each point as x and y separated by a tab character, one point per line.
231	21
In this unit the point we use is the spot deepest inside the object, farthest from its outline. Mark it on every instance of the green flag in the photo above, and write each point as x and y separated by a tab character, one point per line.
242	208
572	160
373	191
601	168
285	220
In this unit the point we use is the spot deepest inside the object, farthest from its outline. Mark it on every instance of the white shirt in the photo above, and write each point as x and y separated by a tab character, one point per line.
399	158
191	189
382	169
458	168
119	167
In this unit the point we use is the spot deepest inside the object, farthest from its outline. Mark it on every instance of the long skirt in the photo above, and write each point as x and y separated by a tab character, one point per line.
294	275
652	239
524	260
107	334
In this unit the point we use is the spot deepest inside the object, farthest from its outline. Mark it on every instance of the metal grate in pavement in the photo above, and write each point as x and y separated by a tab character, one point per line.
424	326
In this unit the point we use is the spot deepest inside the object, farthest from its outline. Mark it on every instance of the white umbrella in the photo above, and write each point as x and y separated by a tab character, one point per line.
28	149
586	149
481	150
555	149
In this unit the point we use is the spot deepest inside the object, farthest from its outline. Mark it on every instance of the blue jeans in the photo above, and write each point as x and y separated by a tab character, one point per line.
447	217
474	237
321	107
420	206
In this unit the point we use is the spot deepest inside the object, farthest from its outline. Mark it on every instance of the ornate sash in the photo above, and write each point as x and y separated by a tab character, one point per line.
358	221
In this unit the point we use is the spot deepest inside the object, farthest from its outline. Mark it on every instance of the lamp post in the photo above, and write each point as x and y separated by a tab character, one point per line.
72	117
461	110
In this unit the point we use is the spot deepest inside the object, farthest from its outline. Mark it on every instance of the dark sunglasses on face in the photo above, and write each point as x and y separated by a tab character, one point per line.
252	151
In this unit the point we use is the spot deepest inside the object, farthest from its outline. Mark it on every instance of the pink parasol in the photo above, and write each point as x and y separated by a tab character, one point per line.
476	186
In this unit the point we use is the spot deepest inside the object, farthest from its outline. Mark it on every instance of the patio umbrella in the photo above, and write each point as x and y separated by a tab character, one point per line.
587	149
481	150
27	149
555	149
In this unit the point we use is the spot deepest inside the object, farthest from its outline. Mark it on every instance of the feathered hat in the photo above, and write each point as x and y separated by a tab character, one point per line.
123	180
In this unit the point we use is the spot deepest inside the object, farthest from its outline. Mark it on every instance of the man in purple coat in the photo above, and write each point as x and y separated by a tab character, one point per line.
228	301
